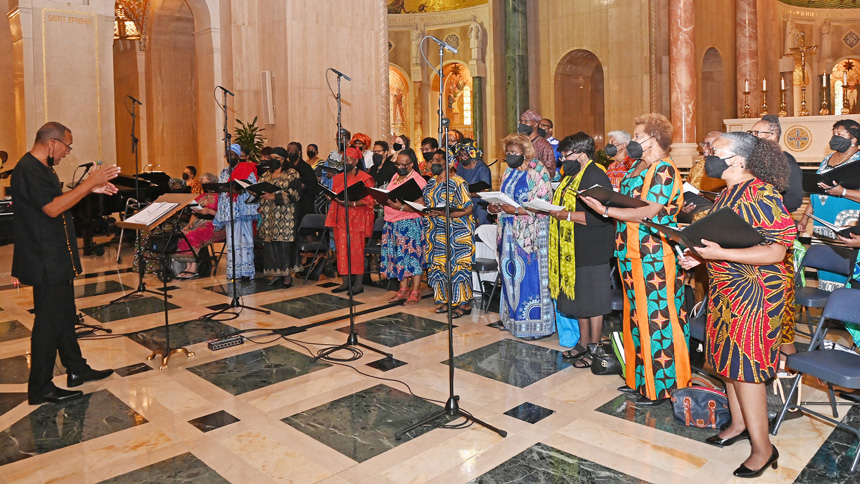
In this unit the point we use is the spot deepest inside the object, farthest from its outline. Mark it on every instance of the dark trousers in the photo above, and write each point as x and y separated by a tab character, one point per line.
53	332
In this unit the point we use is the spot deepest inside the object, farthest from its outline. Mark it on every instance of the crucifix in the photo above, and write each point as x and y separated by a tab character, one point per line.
802	49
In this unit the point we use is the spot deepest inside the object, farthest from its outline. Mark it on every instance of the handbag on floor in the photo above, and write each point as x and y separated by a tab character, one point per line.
603	362
701	405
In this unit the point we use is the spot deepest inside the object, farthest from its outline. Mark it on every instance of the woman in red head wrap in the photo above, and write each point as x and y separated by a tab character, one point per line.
362	143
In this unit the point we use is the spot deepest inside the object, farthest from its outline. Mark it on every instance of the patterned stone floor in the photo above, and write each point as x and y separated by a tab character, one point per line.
267	411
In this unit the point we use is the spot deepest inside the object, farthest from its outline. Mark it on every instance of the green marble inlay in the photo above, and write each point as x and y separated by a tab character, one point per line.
832	462
310	306
244	288
362	425
16	369
107	313
478	111
512	362
51	427
8	401
396	329
516	61
10	330
257	369
99	288
659	417
213	421
182	334
182	468
542	463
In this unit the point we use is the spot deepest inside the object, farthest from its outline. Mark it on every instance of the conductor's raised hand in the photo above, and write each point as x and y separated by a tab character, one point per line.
99	180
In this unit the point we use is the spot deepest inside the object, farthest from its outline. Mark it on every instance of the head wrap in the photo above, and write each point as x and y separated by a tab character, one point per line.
363	138
530	115
468	146
353	152
236	149
280	151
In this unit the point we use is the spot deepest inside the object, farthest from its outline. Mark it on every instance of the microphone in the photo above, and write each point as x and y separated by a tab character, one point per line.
450	48
87	165
134	101
341	74
225	90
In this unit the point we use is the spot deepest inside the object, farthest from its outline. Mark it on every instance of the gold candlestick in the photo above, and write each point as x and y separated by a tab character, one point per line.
845	109
746	113
763	103
803	110
782	110
825	108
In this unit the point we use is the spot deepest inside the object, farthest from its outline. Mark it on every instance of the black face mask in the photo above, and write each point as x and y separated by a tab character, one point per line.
232	161
634	150
293	157
524	129
840	144
611	150
272	164
466	162
715	166
50	160
542	132
403	170
377	158
437	169
427	156
186	176
570	168
311	153
397	146
514	161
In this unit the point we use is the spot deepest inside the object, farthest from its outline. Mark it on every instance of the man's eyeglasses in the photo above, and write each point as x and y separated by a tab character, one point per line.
756	133
68	146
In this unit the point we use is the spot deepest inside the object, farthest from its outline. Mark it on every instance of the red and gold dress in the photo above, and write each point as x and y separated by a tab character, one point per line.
747	302
360	223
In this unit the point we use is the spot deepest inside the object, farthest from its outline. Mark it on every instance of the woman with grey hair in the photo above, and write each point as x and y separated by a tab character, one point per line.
747	288
617	148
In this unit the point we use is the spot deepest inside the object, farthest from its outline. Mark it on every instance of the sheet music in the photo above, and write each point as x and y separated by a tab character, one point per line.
542	205
690	188
498	197
153	212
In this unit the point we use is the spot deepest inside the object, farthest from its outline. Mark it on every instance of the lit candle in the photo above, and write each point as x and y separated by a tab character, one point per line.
763	84
746	85
823	80
782	83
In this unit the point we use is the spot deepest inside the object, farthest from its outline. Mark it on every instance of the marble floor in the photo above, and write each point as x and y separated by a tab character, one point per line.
269	411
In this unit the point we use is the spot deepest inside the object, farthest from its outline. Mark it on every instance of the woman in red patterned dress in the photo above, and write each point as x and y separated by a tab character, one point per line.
747	289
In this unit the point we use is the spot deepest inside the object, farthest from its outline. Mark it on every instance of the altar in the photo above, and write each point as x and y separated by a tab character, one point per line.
807	138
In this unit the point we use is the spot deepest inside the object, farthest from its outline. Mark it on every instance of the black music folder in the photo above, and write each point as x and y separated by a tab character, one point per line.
847	176
479	186
238	186
357	191
611	198
701	204
724	227
408	192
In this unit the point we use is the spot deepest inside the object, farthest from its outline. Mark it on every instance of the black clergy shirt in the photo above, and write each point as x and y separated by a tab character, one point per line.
46	248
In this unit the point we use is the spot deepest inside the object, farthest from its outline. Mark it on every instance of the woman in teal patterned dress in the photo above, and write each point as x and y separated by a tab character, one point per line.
526	308
462	238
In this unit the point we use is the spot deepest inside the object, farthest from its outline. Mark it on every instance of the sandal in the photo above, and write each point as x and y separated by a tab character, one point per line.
414	298
441	309
460	311
581	363
187	275
580	351
401	295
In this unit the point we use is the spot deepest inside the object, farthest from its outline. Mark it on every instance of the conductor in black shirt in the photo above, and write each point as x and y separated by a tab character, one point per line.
46	257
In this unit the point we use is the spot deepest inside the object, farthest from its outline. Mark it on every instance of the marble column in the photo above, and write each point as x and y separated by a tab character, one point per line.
746	53
516	62
478	110
682	79
64	72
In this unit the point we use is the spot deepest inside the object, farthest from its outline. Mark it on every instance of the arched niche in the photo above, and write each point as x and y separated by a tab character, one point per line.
398	91
845	84
579	95
712	91
457	101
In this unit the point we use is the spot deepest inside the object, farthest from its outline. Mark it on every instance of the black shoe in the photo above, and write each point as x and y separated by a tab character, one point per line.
626	389
356	292
246	278
747	473
275	280
721	442
286	284
73	380
341	288
645	402
57	395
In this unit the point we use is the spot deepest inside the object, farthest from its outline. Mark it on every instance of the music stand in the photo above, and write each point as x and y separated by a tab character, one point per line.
452	405
182	200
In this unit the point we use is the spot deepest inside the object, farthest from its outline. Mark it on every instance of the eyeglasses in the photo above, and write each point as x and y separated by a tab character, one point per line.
379	152
512	153
544	126
68	146
756	133
725	151
566	156
398	165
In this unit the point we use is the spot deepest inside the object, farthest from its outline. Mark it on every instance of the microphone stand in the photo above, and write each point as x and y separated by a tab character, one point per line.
235	302
141	263
352	339
452	406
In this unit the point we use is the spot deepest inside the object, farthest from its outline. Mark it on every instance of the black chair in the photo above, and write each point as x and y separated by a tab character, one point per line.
835	367
373	248
486	265
616	297
312	226
822	257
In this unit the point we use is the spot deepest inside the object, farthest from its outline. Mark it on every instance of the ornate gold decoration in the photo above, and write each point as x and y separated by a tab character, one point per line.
130	23
797	138
802	49
423	6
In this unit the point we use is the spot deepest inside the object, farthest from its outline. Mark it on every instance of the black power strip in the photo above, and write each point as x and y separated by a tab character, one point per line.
226	342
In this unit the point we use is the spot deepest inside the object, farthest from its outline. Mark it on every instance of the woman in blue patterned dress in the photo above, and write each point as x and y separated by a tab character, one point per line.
526	308
242	233
462	238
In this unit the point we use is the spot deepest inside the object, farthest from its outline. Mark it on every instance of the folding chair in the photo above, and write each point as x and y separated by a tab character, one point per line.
134	206
373	247
822	257
835	367
483	264
312	223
